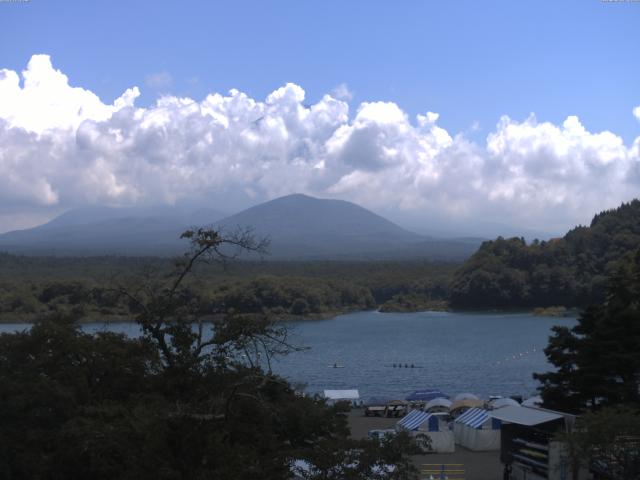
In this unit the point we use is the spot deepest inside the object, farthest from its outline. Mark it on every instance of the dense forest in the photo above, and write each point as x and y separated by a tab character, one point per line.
87	287
505	273
571	271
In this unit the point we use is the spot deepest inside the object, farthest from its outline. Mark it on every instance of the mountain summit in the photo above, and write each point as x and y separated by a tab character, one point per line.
303	226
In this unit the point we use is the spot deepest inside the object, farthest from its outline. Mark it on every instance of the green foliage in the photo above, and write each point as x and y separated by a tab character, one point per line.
185	401
606	442
598	360
31	287
293	295
569	271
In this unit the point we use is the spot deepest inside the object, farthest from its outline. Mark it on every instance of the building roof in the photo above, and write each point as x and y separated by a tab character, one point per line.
474	417
524	415
342	394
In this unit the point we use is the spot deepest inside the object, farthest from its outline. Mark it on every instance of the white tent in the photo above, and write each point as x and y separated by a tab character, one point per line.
465	396
334	396
438	405
477	431
420	423
533	401
503	402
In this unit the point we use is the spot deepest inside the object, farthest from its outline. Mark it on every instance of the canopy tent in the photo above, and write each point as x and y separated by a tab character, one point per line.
503	402
385	406
425	395
465	396
477	431
466	403
420	423
334	396
533	401
438	405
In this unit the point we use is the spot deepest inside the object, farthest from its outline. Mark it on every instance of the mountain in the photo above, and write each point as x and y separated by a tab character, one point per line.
569	271
298	226
303	227
106	231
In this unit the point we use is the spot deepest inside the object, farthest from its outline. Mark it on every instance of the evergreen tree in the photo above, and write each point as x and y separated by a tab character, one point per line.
598	360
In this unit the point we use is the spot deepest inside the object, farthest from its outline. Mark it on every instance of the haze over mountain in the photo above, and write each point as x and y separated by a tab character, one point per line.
105	231
298	226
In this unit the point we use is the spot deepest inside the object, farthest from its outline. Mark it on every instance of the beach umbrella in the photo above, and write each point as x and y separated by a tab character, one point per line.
465	396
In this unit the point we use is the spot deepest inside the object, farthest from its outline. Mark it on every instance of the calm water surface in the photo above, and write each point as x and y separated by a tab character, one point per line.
487	354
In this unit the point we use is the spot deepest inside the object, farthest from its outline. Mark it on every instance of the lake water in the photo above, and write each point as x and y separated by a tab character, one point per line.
486	354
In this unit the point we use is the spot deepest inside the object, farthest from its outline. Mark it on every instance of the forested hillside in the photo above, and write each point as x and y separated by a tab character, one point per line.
85	287
569	271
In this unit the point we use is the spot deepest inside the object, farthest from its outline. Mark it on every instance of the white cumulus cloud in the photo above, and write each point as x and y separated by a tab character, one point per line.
61	146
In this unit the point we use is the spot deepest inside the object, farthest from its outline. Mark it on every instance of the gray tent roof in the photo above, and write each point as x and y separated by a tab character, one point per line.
524	415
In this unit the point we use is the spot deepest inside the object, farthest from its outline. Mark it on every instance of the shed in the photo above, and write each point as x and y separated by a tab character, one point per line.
477	431
420	423
526	439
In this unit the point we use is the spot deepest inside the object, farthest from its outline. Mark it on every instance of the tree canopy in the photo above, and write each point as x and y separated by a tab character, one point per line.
186	400
598	360
570	271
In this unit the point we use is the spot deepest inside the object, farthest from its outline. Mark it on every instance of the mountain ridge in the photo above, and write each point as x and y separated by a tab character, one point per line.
299	227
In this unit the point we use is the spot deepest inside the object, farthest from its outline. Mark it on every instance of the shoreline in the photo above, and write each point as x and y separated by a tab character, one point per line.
318	316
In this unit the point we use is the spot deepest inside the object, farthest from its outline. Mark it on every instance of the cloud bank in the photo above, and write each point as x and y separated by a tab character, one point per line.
61	146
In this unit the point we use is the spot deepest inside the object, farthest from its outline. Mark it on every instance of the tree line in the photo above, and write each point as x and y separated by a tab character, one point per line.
31	288
571	271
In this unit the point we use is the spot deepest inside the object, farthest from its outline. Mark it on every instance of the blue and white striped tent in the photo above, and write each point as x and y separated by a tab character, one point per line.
476	418
416	419
477	431
419	423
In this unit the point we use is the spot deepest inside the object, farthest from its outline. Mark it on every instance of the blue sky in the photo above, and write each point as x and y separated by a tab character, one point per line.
471	62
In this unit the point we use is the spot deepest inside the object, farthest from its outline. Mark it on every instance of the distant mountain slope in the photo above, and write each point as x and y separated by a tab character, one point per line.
568	271
299	227
303	226
104	231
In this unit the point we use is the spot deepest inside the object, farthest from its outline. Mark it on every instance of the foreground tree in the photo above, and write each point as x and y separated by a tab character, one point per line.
606	442
598	360
185	400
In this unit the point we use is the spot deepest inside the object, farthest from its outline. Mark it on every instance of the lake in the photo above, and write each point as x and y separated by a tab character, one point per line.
483	353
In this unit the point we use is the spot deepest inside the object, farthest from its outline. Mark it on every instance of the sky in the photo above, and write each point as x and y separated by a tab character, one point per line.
462	116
